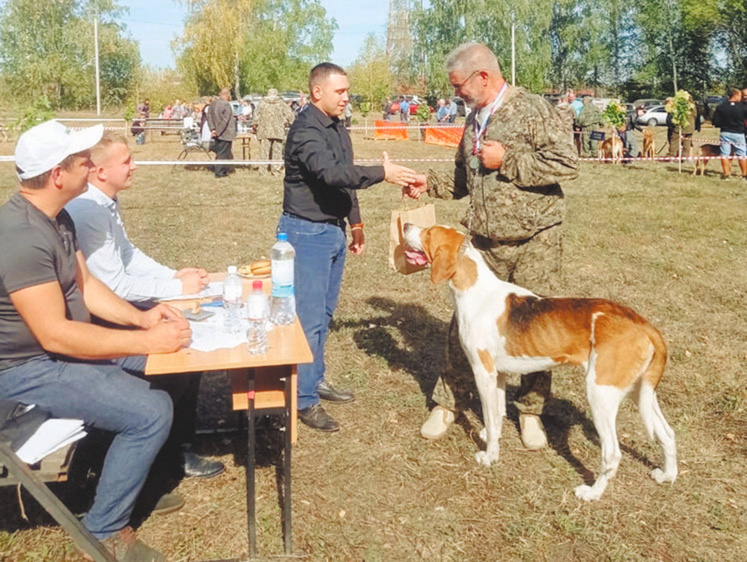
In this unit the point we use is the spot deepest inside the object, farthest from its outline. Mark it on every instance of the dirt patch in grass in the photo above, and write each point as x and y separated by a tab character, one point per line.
669	245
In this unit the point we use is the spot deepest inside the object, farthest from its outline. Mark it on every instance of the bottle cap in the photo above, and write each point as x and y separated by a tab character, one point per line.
257	285
282	237
232	269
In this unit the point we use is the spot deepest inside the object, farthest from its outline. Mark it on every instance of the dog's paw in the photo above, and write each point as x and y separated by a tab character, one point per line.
660	476
485	459
587	493
484	434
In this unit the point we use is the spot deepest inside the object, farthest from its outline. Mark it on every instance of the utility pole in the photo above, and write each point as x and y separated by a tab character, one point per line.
96	57
399	41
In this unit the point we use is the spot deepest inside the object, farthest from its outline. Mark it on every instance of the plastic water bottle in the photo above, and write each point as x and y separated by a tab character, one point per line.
283	306
232	301
258	310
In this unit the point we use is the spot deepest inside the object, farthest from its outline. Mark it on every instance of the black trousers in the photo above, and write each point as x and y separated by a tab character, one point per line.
222	149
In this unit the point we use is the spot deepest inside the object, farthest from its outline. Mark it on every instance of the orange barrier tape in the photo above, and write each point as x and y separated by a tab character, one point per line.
443	136
390	130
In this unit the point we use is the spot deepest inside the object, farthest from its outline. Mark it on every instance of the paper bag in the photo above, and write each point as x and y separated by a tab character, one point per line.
424	217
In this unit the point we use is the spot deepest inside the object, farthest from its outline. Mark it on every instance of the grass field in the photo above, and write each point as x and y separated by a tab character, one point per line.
669	245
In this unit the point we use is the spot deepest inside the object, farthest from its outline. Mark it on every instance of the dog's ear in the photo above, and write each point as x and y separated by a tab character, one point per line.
443	264
442	247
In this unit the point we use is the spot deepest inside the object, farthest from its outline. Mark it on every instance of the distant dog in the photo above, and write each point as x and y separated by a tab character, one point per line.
703	154
611	148
649	144
506	329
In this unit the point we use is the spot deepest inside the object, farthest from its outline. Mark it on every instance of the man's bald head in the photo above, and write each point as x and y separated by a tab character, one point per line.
472	57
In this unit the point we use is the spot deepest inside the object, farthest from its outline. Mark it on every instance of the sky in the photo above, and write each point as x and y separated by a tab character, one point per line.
155	23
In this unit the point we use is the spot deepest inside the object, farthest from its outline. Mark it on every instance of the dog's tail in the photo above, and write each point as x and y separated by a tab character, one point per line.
648	405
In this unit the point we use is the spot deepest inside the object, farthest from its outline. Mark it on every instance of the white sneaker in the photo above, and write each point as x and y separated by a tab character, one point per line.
532	432
438	423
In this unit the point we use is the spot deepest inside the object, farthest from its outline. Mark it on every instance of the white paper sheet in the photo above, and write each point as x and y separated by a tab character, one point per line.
52	435
208	334
214	289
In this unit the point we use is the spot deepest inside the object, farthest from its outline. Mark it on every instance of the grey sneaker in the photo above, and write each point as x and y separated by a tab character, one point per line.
125	547
168	503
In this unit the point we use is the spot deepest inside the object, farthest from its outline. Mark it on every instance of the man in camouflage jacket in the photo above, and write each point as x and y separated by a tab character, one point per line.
271	120
514	152
589	120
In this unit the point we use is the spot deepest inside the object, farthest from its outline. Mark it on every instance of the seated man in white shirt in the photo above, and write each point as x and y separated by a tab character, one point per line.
135	277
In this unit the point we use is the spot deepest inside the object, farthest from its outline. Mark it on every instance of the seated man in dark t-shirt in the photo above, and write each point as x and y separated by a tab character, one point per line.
50	352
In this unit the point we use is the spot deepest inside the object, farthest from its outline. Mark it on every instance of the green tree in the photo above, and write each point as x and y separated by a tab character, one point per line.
47	49
369	74
253	44
445	24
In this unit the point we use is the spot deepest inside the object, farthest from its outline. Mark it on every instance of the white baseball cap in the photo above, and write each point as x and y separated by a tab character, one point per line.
42	147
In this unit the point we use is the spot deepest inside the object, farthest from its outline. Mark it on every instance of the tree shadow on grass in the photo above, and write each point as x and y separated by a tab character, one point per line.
419	350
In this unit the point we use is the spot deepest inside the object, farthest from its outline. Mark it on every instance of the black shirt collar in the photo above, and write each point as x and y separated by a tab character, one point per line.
322	117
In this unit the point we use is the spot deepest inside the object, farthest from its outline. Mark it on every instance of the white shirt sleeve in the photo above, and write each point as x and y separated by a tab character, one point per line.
113	259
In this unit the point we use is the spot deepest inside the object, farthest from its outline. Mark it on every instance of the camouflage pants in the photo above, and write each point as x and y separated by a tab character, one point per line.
534	264
271	149
589	147
674	145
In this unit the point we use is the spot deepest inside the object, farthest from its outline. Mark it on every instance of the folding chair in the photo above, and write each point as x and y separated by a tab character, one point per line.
52	468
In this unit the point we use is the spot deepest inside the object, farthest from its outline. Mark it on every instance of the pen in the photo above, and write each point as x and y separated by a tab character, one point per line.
212	303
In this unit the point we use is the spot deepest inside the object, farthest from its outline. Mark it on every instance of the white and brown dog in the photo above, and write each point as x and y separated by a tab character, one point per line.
504	328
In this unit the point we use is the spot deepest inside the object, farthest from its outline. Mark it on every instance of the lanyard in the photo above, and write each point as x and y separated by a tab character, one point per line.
492	108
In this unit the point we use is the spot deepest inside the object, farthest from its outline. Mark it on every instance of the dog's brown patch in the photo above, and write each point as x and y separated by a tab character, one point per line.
465	274
487	360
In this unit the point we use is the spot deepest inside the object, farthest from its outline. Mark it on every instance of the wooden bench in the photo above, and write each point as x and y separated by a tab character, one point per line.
164	126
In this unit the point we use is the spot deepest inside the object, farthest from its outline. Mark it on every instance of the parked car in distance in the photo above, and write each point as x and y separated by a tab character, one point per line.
290	96
647	103
415	103
236	106
654	116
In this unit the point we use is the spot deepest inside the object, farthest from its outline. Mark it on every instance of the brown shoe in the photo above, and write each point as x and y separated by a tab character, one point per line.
316	417
125	547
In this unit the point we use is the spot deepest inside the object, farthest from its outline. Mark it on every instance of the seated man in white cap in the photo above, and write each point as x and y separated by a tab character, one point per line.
50	352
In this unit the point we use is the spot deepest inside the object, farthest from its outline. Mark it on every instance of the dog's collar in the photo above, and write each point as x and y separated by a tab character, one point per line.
465	244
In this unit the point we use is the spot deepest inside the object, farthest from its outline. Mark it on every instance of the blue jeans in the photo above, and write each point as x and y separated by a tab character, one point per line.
106	395
729	140
320	261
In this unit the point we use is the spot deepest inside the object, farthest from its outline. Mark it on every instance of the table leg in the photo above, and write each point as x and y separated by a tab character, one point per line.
287	528
250	496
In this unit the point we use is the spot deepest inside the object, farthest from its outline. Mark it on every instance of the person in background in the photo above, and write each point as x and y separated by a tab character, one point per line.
271	122
453	110
348	115
137	278
404	109
514	152
222	123
52	355
730	117
589	121
442	113
144	108
320	188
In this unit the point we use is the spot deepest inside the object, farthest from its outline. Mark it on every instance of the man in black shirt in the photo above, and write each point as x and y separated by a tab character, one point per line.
320	184
730	118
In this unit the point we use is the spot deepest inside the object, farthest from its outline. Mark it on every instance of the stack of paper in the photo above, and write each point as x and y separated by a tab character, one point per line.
53	434
214	289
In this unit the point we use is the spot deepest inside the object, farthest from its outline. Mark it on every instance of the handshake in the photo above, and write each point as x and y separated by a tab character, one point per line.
413	183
